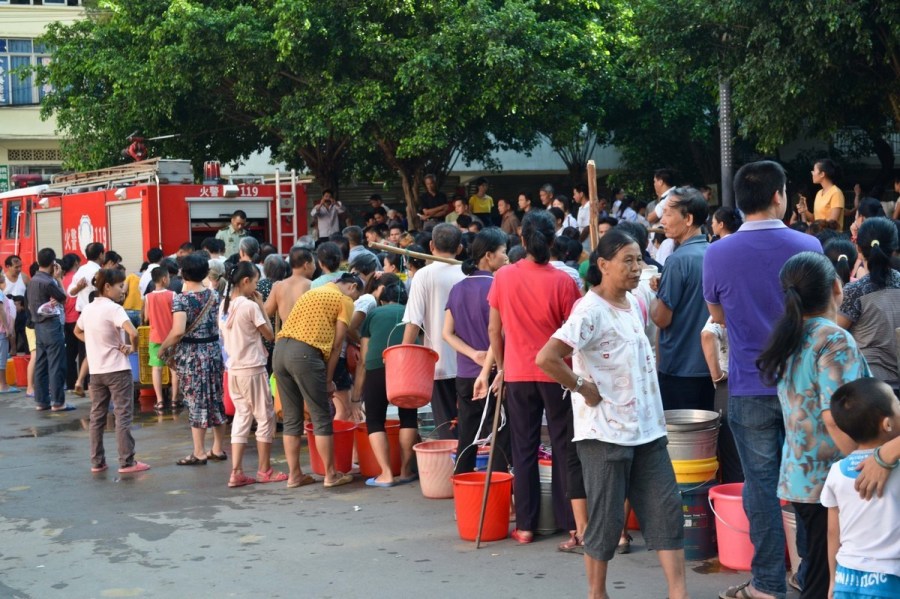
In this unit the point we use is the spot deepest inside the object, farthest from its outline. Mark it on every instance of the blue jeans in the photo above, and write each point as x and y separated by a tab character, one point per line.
50	364
758	428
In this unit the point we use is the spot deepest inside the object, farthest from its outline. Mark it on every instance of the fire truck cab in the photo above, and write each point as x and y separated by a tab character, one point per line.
152	203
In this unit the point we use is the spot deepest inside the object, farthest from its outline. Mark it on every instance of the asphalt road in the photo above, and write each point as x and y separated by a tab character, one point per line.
180	532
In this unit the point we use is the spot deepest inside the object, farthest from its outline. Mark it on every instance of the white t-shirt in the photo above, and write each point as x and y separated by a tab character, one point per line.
365	304
584	216
102	321
612	350
17	288
147	278
722	341
428	294
569	271
665	249
86	271
662	202
869	539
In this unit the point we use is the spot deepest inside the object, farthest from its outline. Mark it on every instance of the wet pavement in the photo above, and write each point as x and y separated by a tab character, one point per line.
180	532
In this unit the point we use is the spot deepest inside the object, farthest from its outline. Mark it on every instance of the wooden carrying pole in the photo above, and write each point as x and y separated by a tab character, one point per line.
595	203
490	464
393	250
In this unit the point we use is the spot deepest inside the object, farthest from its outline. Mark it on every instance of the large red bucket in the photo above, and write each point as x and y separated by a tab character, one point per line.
343	447
368	465
732	526
409	374
468	491
21	363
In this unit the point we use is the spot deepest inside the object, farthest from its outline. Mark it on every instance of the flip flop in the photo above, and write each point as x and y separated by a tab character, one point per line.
62	408
78	390
374	483
9	390
240	480
41	408
136	467
101	468
306	480
407	479
270	476
343	479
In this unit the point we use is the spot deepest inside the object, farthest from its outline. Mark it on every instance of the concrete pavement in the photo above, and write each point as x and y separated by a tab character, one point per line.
180	532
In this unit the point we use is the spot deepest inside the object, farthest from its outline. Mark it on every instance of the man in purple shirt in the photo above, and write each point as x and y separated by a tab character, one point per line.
742	290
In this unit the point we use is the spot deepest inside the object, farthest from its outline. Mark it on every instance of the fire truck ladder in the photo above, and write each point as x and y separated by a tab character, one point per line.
286	210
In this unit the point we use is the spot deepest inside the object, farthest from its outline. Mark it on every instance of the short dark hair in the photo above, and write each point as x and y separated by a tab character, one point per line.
209	244
376	197
755	184
154	255
187	246
612	221
10	259
463	221
666	175
194	268
858	408
159	274
446	238
108	276
729	217
329	255
328	191
93	251
689	201
581	187
111	256
299	256
46	257
353	234
637	231
240	213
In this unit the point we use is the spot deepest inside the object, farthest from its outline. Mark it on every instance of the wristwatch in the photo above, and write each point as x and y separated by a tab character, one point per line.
578	383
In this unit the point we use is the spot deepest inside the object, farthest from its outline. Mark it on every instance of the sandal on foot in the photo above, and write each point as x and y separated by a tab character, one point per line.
624	545
521	537
270	476
306	479
373	482
101	468
78	390
191	460
574	544
343	479
216	457
239	479
136	467
741	591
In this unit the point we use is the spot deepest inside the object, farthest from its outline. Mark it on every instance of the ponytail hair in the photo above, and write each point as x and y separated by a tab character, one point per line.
538	231
107	276
487	240
234	275
394	293
842	254
607	248
807	281
877	240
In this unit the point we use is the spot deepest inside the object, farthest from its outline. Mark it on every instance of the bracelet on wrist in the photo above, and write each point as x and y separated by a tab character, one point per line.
877	455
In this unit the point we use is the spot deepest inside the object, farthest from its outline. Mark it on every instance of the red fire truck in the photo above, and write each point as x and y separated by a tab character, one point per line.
152	203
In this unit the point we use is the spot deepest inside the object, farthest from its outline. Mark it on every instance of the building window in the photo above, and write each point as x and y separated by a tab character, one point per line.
43	2
17	54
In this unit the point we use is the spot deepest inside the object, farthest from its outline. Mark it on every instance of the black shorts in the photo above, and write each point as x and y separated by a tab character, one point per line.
342	380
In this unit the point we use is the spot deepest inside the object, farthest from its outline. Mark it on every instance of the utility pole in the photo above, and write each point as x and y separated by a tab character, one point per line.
726	132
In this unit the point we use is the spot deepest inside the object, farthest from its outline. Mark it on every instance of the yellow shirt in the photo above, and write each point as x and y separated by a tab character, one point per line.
481	205
133	300
314	317
826	201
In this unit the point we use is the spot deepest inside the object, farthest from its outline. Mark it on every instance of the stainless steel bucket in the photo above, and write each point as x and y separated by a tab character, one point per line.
693	434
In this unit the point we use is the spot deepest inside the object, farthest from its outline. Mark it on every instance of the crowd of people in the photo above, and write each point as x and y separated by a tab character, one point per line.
788	330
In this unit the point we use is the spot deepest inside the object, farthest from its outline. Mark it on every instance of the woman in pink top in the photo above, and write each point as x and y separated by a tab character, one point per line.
100	326
244	325
529	301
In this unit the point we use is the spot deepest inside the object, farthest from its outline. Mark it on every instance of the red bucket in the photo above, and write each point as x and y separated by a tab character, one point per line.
343	447
468	490
226	397
409	374
368	465
21	363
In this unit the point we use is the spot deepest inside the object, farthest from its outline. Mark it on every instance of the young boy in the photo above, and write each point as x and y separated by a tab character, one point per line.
158	312
863	545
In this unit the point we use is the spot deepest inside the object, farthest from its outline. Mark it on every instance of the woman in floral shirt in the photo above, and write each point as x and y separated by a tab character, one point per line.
809	357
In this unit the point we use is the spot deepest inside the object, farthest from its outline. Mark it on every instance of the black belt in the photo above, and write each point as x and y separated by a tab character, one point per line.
196	340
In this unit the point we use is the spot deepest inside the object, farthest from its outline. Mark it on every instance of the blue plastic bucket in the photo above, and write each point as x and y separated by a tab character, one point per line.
699	521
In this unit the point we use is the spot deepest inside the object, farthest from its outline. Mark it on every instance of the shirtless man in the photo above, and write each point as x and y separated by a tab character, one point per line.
286	293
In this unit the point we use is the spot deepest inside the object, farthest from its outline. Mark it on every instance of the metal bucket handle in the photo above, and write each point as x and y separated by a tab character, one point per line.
722	520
